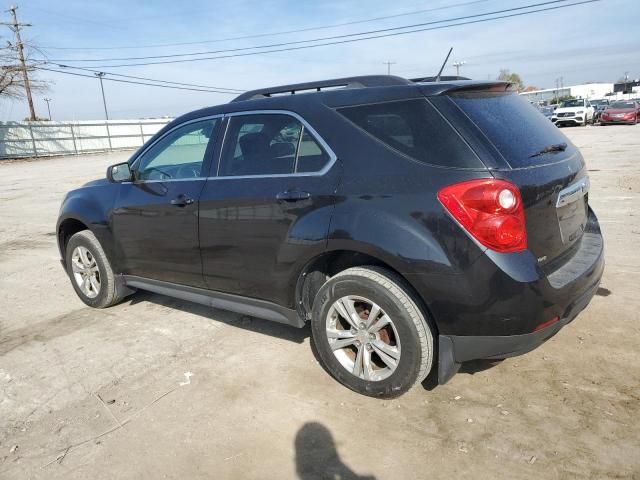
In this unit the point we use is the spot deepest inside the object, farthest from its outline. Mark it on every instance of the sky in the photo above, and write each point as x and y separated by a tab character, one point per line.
595	42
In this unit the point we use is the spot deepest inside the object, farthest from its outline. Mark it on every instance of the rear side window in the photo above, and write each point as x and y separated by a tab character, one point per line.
516	128
269	144
416	129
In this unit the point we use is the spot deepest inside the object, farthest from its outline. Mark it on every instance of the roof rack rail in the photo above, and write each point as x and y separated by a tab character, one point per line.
348	82
443	78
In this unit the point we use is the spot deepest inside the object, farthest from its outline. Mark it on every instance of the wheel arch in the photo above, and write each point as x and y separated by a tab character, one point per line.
327	264
67	227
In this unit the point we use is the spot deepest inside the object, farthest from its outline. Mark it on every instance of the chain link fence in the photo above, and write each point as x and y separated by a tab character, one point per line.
39	139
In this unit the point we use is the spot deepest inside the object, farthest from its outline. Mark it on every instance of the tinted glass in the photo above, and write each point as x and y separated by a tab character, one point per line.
260	145
623	105
572	103
179	154
311	156
516	128
416	129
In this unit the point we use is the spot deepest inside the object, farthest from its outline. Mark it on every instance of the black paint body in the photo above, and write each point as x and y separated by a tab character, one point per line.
237	238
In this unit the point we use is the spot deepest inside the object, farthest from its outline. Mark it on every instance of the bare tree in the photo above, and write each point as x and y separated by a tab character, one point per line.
12	77
512	77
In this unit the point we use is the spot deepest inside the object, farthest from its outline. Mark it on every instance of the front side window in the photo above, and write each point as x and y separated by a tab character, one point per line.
179	154
269	144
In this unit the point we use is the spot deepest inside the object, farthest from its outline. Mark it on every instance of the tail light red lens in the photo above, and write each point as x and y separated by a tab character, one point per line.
490	210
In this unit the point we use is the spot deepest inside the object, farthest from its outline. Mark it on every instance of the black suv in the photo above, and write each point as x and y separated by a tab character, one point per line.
416	224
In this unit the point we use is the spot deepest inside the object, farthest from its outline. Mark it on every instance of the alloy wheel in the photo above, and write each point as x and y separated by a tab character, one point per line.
363	338
85	271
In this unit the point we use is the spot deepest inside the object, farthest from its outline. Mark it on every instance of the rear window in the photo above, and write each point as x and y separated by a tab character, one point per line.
415	129
513	125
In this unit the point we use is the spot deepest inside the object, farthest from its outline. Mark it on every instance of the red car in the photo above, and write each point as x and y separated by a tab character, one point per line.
627	111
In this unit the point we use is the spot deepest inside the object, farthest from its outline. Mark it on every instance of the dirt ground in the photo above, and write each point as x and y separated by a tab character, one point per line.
158	388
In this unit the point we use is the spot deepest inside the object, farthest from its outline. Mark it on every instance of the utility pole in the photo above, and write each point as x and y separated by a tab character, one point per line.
458	65
48	106
388	64
16	26
104	102
626	89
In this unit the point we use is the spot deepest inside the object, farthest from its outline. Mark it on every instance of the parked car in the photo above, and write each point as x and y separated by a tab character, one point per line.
627	111
547	111
415	225
599	106
573	112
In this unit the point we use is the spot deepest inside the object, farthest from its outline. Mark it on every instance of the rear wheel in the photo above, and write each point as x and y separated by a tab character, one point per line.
369	333
90	272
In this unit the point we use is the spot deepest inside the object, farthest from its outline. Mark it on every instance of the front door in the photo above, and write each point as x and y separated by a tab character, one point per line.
269	207
155	218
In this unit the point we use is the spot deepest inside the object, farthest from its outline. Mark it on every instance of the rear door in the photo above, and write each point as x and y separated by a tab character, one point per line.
548	169
268	209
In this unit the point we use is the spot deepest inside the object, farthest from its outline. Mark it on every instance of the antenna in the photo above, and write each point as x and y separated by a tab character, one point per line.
443	65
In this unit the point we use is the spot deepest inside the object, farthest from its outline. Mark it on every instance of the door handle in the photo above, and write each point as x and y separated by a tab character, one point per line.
292	196
182	200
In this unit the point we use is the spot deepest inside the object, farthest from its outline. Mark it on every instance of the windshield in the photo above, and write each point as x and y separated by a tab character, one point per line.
623	105
514	126
598	102
572	103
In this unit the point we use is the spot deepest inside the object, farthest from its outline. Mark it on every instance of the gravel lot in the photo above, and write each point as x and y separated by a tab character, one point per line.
159	388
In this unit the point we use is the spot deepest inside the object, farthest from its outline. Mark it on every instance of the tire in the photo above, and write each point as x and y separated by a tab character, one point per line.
409	335
108	291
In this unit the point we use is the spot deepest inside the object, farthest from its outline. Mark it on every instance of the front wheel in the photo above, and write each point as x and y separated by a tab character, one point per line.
90	271
370	334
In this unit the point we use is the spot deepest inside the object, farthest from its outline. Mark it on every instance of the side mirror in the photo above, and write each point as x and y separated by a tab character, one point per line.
120	172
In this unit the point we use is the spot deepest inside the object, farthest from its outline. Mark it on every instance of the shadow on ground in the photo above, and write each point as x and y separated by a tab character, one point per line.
470	368
265	327
317	457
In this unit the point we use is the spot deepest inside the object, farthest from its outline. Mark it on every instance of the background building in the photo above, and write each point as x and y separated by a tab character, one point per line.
585	90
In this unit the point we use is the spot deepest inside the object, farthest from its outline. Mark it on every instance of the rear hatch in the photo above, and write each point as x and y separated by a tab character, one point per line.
533	154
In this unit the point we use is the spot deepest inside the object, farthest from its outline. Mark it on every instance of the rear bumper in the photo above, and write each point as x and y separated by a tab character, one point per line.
504	319
453	350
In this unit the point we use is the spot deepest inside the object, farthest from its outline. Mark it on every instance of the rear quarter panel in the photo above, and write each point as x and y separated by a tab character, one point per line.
387	207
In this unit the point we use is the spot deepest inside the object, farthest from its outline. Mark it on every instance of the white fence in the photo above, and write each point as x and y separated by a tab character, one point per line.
37	139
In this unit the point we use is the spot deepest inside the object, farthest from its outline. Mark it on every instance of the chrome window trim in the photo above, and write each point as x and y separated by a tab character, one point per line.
168	132
305	124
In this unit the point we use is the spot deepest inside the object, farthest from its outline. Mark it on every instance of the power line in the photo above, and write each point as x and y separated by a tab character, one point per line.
133	82
272	34
183	84
319	39
439	27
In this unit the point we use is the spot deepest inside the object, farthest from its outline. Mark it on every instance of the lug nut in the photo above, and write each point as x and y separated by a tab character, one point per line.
369	347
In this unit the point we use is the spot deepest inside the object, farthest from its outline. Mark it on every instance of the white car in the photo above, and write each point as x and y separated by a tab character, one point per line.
573	112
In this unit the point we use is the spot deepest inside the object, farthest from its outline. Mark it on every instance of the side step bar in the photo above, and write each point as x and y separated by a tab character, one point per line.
224	301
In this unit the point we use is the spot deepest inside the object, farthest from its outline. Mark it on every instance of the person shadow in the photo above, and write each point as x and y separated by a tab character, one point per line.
317	457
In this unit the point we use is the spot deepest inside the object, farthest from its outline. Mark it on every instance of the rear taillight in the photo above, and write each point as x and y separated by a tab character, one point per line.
490	210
